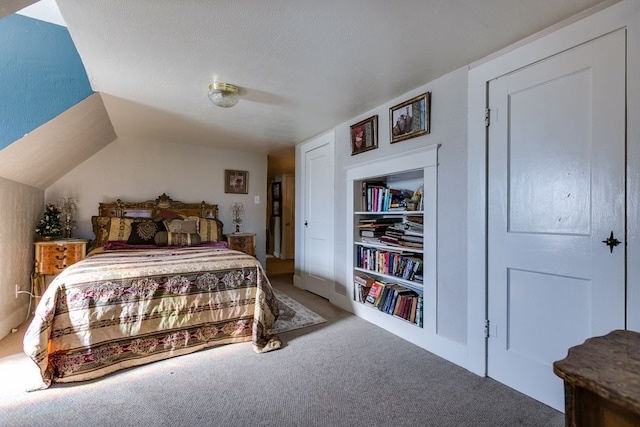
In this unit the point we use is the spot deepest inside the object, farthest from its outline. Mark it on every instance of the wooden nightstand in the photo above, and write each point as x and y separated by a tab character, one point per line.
53	256
244	242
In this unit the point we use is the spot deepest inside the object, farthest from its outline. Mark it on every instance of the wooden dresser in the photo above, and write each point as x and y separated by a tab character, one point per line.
244	242
602	381
53	256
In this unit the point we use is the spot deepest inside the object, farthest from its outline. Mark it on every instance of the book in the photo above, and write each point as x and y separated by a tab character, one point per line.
362	286
374	292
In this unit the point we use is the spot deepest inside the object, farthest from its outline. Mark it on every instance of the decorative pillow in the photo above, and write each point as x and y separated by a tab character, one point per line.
144	232
209	230
189	225
120	228
167	238
101	226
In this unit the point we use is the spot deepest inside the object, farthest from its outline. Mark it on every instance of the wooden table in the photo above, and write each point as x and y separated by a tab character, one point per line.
602	381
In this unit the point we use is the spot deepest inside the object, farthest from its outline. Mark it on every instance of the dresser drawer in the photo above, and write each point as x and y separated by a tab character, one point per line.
243	242
52	257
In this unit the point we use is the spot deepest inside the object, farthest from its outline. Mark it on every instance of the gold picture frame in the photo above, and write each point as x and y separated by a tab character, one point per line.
410	118
364	135
236	182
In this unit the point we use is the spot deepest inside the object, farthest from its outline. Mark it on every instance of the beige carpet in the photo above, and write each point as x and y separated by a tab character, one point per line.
344	372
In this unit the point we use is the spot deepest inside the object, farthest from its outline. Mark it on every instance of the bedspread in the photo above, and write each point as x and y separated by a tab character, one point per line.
120	309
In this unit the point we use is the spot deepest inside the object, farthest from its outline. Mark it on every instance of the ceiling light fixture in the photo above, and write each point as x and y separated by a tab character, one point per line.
223	95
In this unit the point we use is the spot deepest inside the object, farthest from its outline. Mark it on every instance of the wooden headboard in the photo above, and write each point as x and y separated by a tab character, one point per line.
150	208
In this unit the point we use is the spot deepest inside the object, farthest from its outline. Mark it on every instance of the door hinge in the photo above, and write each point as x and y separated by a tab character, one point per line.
486	328
487	116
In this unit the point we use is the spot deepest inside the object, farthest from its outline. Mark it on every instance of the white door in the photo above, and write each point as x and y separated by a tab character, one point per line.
318	193
556	191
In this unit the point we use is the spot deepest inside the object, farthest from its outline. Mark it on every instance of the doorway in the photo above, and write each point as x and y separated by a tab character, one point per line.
280	211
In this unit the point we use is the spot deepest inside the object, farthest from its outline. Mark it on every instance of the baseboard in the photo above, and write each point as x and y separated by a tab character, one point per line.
297	281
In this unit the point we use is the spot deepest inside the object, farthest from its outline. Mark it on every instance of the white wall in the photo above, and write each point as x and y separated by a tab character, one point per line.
134	170
21	206
448	128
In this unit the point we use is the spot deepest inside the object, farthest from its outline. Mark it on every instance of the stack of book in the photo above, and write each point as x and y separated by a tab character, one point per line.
408	233
413	232
396	300
372	229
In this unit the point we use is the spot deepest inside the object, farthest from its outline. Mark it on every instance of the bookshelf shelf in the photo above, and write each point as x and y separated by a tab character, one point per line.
402	304
415	286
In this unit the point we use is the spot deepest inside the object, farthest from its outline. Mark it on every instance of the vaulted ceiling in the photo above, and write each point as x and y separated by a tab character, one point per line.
303	66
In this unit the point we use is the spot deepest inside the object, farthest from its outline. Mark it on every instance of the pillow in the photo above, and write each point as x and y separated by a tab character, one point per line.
188	225
101	226
120	228
209	230
167	238
144	232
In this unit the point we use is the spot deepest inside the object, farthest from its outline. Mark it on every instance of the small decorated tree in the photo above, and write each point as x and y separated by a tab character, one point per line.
50	225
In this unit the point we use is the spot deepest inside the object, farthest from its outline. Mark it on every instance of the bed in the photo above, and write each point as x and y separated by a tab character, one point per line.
151	287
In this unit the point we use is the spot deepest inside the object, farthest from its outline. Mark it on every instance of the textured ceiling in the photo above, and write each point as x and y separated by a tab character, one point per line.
303	66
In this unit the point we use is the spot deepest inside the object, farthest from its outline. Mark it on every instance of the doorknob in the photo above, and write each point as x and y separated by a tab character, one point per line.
611	242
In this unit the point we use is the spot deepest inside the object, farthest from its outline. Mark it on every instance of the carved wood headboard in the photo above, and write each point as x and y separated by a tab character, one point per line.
150	208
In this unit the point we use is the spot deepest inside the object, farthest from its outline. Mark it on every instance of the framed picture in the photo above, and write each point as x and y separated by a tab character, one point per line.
410	119
275	190
236	182
276	208
364	135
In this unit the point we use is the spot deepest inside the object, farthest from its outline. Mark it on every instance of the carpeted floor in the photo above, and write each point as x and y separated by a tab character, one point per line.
344	372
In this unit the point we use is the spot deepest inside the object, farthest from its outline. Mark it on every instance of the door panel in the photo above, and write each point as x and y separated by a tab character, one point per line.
555	155
556	190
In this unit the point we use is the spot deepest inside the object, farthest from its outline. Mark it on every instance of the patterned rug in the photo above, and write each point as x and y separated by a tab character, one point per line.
293	315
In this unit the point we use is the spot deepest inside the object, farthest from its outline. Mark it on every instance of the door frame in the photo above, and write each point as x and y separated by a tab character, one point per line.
580	29
300	214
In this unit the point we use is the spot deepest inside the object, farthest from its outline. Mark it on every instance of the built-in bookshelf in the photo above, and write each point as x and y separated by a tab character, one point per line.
392	247
389	244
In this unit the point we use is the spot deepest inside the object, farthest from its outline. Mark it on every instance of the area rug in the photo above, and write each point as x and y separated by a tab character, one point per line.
293	315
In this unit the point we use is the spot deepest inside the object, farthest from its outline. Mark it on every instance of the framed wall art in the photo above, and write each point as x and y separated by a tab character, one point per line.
410	118
364	135
236	182
275	190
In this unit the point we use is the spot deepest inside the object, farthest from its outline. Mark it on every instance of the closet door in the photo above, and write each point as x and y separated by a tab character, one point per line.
556	220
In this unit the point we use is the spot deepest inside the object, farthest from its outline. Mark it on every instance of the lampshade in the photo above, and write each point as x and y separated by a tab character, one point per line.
223	95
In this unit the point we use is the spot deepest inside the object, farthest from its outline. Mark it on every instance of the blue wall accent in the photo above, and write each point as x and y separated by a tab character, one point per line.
41	75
